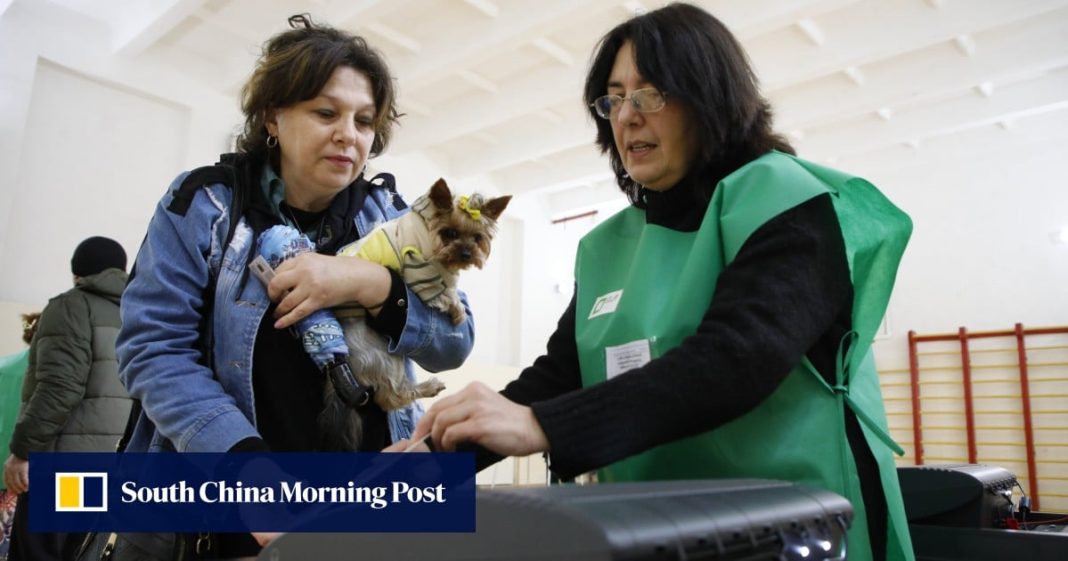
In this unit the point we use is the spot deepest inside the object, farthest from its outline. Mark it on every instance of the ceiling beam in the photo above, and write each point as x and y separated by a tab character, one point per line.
812	31
526	140
969	110
478	81
872	31
351	13
966	44
554	50
1030	136
855	75
560	170
463	47
933	72
756	17
547	86
393	35
140	24
208	19
488	9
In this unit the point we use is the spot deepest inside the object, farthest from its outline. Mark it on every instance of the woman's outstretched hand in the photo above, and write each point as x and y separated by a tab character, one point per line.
480	415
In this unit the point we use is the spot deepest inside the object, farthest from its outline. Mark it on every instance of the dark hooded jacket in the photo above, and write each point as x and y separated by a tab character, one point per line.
72	400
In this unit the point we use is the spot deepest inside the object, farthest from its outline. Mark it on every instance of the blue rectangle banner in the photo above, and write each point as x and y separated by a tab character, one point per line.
305	492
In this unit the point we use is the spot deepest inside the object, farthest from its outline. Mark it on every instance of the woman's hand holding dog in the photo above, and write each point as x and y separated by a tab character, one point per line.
311	281
480	415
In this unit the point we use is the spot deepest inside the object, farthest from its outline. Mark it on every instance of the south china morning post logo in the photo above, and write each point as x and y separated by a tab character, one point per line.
238	492
191	492
82	492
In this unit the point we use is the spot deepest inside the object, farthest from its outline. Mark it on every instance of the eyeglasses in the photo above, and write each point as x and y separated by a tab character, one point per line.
645	100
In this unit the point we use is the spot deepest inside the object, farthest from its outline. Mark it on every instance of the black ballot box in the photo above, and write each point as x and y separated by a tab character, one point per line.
957	495
708	519
967	512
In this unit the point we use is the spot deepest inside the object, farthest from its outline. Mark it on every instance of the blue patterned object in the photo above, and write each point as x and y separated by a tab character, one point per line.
320	332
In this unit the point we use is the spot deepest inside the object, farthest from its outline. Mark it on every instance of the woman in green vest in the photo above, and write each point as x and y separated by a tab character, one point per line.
721	325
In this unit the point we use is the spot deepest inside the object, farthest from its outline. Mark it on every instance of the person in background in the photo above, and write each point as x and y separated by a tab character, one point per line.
12	371
721	325
72	400
204	345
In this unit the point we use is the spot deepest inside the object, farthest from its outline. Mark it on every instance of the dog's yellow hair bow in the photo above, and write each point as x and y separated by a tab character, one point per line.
471	207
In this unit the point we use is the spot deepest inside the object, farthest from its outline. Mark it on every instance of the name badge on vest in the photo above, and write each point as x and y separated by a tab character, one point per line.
606	304
627	356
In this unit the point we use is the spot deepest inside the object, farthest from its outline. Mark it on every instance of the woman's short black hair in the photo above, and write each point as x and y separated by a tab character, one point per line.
295	66
691	57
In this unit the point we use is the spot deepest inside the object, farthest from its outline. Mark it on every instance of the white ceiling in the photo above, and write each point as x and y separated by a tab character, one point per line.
492	88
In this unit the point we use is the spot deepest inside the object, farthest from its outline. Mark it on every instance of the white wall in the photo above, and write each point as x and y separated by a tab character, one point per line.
986	205
93	163
88	143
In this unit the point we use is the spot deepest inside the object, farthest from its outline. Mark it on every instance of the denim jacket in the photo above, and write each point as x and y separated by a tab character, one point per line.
189	407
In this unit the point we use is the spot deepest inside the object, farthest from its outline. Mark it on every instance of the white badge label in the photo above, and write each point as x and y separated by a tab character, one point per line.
626	357
606	304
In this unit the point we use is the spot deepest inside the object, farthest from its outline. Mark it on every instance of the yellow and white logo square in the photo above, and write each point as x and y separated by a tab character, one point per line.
82	492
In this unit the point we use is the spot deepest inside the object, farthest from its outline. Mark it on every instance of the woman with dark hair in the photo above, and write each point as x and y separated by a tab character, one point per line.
205	348
721	325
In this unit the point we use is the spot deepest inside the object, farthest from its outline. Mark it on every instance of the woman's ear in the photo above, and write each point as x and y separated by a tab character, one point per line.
270	121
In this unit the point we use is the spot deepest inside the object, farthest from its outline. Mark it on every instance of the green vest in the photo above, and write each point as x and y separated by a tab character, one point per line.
12	371
643	288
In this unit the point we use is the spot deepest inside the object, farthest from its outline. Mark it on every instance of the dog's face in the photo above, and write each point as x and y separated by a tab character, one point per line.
463	228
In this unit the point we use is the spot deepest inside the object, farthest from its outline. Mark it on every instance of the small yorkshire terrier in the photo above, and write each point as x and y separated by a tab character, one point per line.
428	246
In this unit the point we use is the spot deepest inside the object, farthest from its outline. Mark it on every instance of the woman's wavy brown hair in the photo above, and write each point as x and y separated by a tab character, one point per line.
294	67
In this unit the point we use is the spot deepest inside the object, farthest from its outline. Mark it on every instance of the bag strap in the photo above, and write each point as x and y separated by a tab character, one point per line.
131	423
390	183
224	172
182	196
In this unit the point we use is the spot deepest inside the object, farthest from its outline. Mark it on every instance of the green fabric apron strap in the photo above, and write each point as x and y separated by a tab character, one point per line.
642	289
842	388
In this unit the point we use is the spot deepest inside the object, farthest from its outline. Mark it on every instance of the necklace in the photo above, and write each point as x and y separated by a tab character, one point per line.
318	230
